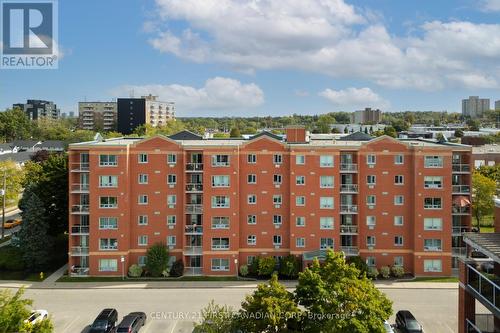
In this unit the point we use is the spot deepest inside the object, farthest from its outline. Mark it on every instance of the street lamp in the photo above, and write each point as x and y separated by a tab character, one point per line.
3	194
38	143
122	259
236	266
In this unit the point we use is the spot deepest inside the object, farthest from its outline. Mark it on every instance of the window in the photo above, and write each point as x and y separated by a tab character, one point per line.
326	202
108	160
370	180
252	179
252	199
432	203
300	242
399	180
277	158
433	161
371	159
143	178
371	262
251	219
398	261
300	159
220	160
142	220
435	223
108	223
432	265
277	179
108	181
171	159
171	220
326	181
171	240
220	181
220	201
143	158
326	222
171	179
142	199
371	220
251	240
220	243
220	222
220	264
108	202
370	200
171	199
250	259
326	243
108	244
141	261
300	180
142	240
277	219
326	161
398	240
370	240
300	221
398	220
300	201
252	158
433	182
398	159
432	245
277	240
399	200
277	199
108	265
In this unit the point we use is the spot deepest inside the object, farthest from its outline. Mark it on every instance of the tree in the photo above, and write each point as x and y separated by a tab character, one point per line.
337	299
390	131
177	268
14	125
473	124
157	259
266	266
135	270
216	319
482	200
289	266
458	133
491	171
324	123
235	133
13	182
33	236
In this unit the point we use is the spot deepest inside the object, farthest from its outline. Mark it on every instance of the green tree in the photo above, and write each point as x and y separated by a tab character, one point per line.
14	177
14	125
473	124
390	131
290	266
157	259
216	319
458	133
482	200
337	299
324	123
266	266
491	171
235	133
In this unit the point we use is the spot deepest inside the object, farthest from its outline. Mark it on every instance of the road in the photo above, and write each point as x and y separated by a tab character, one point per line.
15	214
174	310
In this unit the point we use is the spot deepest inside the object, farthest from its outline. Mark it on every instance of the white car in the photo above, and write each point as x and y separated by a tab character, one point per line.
37	316
388	327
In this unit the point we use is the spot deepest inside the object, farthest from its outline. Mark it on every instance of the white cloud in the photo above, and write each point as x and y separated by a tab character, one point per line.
330	37
490	5
218	94
354	98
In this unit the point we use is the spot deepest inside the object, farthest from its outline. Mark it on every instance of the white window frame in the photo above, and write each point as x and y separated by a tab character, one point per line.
326	181
142	240
251	158
105	223
108	163
397	240
142	199
252	240
221	161
142	158
371	159
251	178
369	178
399	159
108	181
143	178
302	181
111	265
433	265
326	161
252	199
220	181
300	242
142	220
300	159
300	221
396	200
251	219
302	199
434	205
326	223
326	203
433	182
220	222
324	243
171	159
398	218
433	223
278	158
108	205
433	161
220	201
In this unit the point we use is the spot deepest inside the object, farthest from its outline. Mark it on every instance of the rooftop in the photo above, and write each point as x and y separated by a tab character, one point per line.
486	149
487	243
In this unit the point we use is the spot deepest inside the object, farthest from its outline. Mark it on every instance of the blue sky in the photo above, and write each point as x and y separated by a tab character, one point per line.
243	57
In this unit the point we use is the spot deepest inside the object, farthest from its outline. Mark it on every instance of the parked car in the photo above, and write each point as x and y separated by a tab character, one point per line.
105	322
131	323
406	322
37	316
388	327
11	223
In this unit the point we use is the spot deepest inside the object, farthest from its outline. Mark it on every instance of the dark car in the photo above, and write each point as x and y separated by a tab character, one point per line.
407	323
131	323
105	321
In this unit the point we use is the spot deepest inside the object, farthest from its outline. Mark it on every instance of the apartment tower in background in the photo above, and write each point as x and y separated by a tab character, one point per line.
474	107
38	109
366	116
97	116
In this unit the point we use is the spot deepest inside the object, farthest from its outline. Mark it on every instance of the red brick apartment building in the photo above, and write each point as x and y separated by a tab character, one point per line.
219	203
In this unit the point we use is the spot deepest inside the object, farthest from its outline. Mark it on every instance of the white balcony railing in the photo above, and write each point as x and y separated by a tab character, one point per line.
348	188
194	208
80	230
80	209
461	189
348	167
194	230
350	250
78	251
80	167
193	250
194	167
488	290
80	188
462	168
349	229
349	209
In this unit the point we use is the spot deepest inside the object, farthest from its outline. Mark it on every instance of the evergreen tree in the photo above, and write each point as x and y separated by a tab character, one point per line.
235	133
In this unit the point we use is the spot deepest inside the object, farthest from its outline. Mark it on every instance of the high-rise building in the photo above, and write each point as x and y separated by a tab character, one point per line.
497	105
134	112
97	116
39	109
474	107
366	116
218	202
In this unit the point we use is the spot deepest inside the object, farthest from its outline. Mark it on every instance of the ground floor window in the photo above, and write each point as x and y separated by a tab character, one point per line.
433	265
220	264
141	261
108	265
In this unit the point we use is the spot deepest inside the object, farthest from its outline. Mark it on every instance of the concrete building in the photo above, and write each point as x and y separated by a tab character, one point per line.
219	203
497	105
486	155
474	107
134	112
366	116
97	116
39	109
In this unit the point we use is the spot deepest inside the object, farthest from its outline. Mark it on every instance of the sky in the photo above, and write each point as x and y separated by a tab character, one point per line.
270	57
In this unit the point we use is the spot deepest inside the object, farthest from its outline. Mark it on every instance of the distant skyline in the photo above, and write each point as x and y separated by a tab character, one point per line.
249	57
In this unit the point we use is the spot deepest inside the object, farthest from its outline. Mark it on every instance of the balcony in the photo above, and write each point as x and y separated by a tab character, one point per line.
457	230
193	271
193	250
460	168
194	230
348	229
194	167
459	251
350	250
80	209
194	187
194	209
460	189
80	188
487	289
80	230
79	251
348	209
80	167
455	210
348	167
79	271
348	188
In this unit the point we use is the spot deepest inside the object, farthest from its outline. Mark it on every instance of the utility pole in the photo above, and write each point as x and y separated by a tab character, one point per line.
3	201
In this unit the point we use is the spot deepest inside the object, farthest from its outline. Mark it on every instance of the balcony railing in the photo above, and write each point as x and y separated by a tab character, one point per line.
461	189
80	271
349	188
348	229
457	167
193	250
194	230
79	251
460	229
488	290
194	167
348	208
80	209
193	271
455	210
80	230
80	167
471	328
483	323
194	187
348	167
350	250
459	251
80	188
194	209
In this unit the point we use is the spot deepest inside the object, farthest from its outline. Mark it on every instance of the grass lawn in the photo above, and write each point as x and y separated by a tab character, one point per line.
66	278
435	279
6	238
487	229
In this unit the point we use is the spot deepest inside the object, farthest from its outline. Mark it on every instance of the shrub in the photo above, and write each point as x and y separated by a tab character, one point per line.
253	269
289	266
157	259
135	270
372	272
11	259
266	266
385	271
243	270
397	271
359	263
177	268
